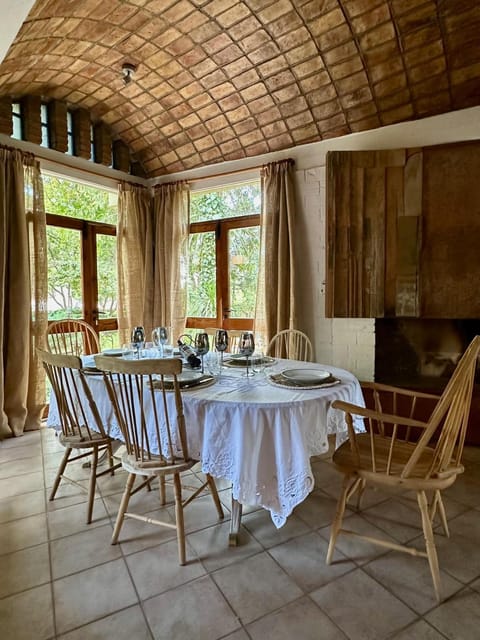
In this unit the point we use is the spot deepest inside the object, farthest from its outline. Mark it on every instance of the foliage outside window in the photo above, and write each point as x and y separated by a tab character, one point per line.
223	256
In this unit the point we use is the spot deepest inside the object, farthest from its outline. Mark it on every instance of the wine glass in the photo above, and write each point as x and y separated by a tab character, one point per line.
221	342
160	338
246	347
138	339
201	345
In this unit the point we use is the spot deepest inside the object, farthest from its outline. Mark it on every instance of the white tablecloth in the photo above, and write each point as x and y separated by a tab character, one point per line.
258	436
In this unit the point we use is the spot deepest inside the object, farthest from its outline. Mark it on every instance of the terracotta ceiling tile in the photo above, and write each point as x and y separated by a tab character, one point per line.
229	146
212	110
235	14
273	66
197	131
274	129
359	96
266	52
171	129
152	28
383	53
185	150
244	28
390	85
459	76
180	47
236	115
120	15
213	79
274	11
217	43
283	141
352	83
191	22
334	37
227	55
371	19
246	79
182	79
245	127
137	21
357	7
314	8
253	92
398	115
200	101
420	17
377	36
430	86
287	22
302	135
326	110
416	56
191	90
257	149
269	115
364	125
221	91
205	32
250	138
299	120
231	102
214	7
204	143
178	11
394	100
301	52
211	155
254	41
334	125
192	57
424	71
421	37
361	112
325	94
203	68
279	80
217	123
292	107
261	104
166	37
222	135
312	83
237	67
383	70
346	68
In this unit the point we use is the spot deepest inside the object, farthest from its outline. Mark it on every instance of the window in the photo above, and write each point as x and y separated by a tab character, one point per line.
223	256
70	145
81	245
44	125
17	121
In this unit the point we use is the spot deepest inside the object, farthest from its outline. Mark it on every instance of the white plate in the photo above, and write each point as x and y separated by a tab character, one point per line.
117	353
306	376
186	376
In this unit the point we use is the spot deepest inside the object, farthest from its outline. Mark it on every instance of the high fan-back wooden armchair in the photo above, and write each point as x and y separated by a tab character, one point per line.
405	452
82	427
292	344
72	336
154	433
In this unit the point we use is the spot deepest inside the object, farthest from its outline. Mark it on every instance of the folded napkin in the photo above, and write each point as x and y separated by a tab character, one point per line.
184	384
278	378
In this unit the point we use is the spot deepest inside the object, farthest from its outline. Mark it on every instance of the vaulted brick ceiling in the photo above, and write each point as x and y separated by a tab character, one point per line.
226	79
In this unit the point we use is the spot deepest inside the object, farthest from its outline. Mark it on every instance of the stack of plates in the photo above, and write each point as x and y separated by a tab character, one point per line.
306	376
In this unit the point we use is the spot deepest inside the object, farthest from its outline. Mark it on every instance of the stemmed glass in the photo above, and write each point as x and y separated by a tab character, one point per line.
201	345
221	342
138	339
246	347
160	338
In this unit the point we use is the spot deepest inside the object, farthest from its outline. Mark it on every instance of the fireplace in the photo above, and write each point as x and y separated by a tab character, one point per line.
420	353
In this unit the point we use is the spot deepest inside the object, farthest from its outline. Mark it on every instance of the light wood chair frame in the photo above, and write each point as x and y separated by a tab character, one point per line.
136	387
390	454
292	344
82	426
72	336
234	336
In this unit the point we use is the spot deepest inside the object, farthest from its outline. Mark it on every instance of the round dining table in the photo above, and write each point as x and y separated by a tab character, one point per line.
258	432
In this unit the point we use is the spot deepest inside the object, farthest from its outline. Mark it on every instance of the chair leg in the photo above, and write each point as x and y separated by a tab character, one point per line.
179	518
92	483
214	492
361	491
337	522
162	488
438	502
123	507
429	543
60	471
111	463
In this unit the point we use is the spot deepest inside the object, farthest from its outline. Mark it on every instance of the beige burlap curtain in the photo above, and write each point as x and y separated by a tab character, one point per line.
275	309
152	241
23	292
171	218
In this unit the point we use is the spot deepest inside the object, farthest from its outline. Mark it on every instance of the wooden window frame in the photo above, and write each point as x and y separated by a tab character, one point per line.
88	247
221	228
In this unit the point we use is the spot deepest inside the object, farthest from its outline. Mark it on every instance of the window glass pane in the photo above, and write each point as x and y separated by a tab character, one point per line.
44	125
64	273
243	250
226	202
17	121
107	276
70	149
201	287
109	340
76	200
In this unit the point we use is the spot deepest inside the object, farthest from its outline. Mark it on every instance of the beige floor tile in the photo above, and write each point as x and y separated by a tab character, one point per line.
399	518
28	438
362	608
409	578
32	450
194	610
28	505
260	525
466	489
23	533
301	619
317	510
459	618
156	570
141	502
21	484
128	624
199	514
27	615
82	550
237	635
72	519
136	535
20	466
303	559
67	495
256	586
459	556
91	594
419	630
24	569
211	546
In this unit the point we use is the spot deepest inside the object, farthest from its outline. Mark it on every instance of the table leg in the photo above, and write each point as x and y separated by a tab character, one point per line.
235	523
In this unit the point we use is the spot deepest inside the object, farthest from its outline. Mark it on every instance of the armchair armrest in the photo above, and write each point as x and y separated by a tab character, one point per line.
387	388
356	410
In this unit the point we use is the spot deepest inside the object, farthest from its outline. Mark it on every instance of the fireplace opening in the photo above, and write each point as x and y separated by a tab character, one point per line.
421	353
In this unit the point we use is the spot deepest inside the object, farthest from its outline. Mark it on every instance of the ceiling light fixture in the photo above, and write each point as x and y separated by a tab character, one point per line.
128	70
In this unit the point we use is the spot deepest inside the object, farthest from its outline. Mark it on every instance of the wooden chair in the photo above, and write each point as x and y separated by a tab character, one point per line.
292	344
153	426
71	336
402	451
82	427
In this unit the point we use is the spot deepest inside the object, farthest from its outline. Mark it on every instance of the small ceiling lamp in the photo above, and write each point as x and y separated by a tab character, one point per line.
128	70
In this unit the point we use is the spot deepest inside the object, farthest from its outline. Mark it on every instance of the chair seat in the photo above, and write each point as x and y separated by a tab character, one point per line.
347	462
154	466
83	440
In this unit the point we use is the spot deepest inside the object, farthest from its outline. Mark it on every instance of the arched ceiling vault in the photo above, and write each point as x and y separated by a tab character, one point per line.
226	79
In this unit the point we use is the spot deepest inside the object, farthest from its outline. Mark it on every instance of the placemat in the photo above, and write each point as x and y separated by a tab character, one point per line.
279	381
204	381
242	362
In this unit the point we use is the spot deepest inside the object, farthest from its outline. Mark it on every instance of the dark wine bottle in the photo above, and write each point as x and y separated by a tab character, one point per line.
189	354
